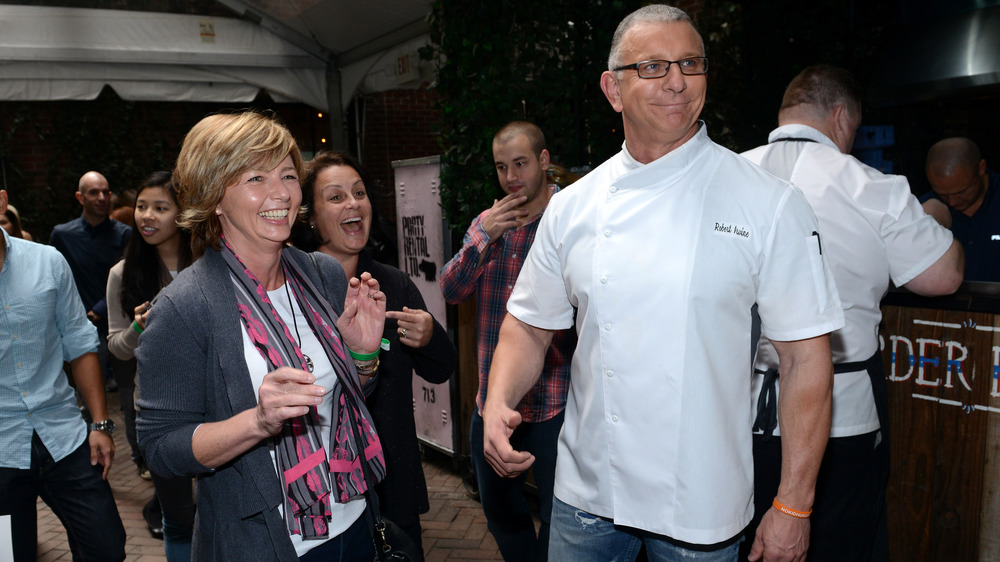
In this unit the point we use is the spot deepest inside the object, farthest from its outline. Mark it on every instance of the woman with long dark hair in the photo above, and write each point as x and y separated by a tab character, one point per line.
341	221
156	252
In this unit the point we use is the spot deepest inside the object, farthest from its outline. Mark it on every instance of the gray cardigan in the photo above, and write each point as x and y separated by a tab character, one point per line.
192	370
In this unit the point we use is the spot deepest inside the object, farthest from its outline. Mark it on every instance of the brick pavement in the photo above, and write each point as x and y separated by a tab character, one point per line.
454	528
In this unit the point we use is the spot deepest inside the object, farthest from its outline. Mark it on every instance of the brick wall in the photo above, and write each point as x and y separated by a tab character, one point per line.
46	146
41	176
397	125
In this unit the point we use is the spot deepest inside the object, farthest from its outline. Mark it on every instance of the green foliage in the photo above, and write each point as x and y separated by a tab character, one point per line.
501	61
542	60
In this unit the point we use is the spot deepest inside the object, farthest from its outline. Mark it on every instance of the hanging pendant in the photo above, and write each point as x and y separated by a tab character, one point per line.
309	363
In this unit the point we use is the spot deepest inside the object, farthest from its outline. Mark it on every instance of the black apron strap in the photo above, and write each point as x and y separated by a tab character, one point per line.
880	391
791	139
851	367
767	403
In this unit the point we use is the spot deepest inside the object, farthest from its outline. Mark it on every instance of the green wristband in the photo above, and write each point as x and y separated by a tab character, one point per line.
368	356
136	327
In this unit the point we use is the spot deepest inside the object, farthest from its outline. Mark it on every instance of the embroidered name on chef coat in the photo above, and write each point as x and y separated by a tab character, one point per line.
731	229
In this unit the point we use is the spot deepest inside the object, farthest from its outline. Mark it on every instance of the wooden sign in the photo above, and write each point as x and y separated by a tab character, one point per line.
942	368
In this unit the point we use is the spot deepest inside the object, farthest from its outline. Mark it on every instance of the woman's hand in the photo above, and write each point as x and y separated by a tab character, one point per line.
141	313
364	315
284	394
415	326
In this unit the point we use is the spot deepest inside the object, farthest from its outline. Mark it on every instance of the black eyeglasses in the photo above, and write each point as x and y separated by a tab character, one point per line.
659	68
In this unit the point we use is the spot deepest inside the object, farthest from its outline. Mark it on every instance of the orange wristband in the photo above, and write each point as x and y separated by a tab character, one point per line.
789	511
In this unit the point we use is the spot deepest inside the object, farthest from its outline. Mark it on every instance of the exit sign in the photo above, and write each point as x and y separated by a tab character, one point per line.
407	68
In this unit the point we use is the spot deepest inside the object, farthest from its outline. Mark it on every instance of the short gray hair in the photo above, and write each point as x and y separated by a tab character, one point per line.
656	13
824	87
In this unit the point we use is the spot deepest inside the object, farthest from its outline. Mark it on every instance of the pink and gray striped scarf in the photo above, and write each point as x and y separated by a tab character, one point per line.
303	461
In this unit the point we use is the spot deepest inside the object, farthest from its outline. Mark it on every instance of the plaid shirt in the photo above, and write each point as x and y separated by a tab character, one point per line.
493	282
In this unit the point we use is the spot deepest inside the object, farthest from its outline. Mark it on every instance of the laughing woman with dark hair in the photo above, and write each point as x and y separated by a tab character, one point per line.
340	217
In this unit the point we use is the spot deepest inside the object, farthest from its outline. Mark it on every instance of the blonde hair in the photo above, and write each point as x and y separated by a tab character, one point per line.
215	152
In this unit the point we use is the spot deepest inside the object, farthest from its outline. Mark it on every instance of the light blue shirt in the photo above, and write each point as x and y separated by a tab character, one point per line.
42	324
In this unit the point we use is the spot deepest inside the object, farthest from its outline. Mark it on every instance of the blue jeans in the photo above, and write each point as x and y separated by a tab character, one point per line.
581	537
507	514
177	505
77	495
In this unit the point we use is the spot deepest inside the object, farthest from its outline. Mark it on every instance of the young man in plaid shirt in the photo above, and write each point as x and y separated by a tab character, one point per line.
491	257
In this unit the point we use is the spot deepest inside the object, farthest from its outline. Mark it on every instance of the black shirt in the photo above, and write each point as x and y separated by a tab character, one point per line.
91	251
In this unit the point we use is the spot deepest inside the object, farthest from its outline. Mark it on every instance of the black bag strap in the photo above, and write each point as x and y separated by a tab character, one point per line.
372	512
382	547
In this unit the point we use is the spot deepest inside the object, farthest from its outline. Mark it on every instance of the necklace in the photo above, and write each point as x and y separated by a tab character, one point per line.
291	308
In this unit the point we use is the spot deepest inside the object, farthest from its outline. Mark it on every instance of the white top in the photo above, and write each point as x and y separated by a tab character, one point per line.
873	229
121	343
343	515
122	338
664	262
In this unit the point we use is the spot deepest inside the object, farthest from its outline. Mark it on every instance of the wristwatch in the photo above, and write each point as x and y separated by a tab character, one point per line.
107	426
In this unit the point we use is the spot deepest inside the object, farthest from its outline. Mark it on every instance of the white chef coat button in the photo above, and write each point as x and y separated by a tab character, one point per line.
604	280
614	189
614	419
607	326
611	374
607	233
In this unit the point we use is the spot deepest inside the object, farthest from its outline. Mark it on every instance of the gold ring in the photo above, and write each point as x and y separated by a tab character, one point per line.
402	333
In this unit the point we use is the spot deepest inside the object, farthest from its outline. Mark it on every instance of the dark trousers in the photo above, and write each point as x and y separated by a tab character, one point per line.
353	545
413	531
77	495
507	515
850	491
103	355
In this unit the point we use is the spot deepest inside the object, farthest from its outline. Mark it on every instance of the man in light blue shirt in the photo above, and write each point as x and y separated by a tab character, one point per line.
45	446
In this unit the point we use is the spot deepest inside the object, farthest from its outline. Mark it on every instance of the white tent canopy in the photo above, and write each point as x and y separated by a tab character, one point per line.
317	52
70	53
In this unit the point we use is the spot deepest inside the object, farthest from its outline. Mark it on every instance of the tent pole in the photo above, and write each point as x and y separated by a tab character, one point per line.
338	139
